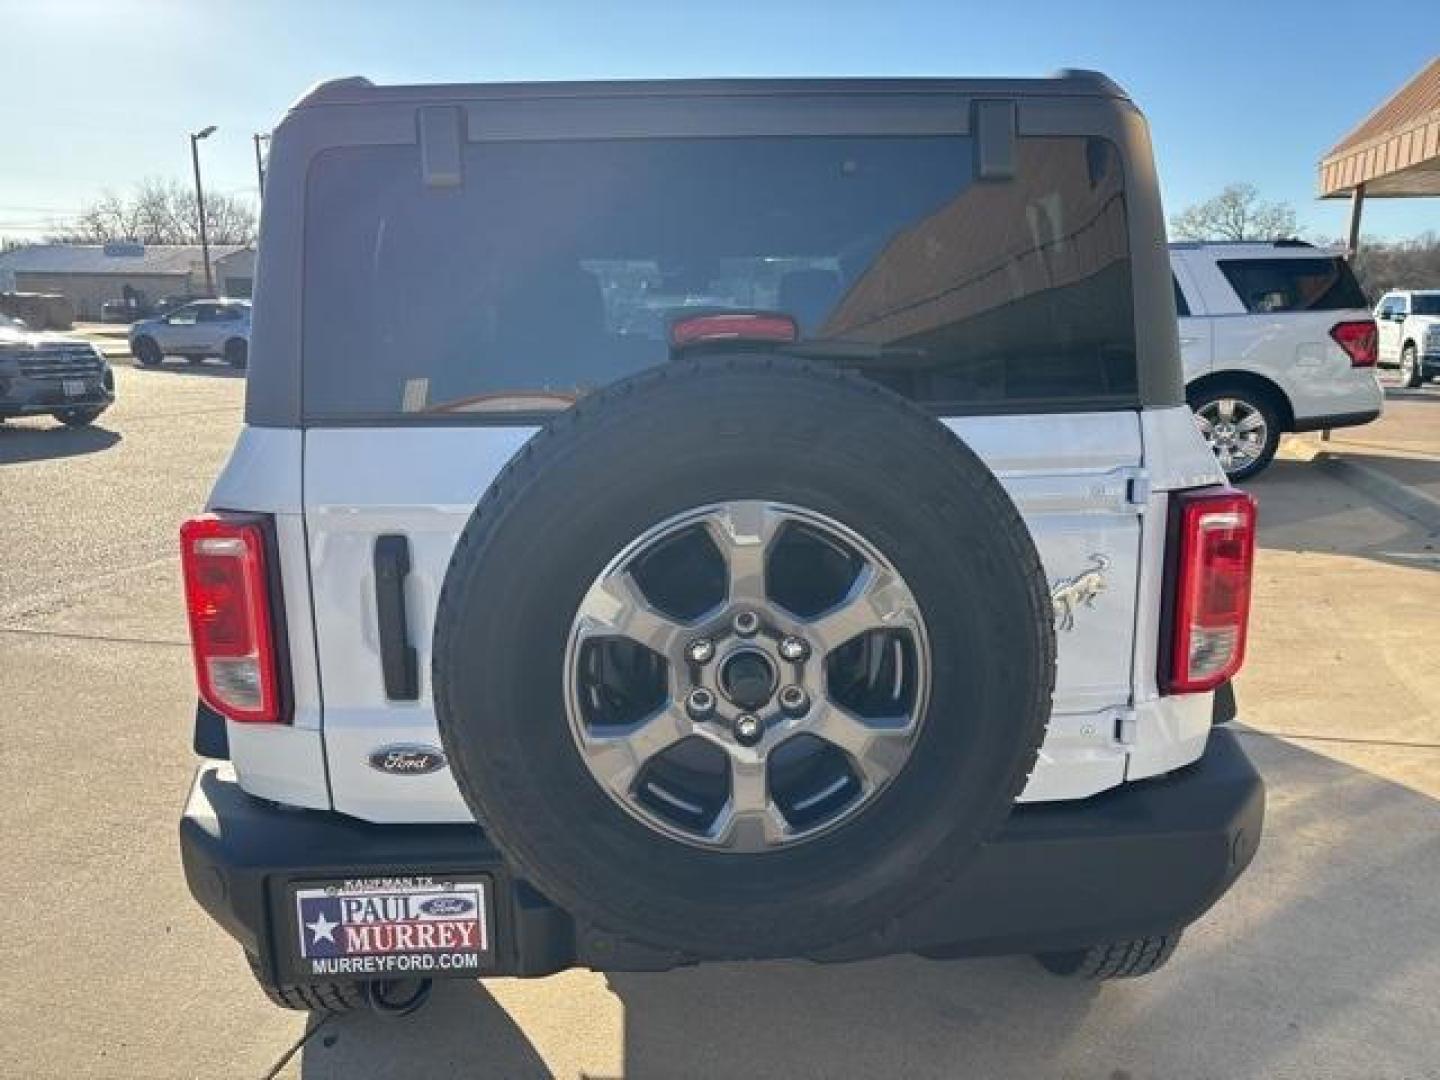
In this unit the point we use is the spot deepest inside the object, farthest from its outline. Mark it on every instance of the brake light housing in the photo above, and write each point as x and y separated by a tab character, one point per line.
760	326
1360	339
230	602
1212	559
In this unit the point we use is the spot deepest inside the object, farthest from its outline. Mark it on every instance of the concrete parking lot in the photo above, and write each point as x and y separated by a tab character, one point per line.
1325	961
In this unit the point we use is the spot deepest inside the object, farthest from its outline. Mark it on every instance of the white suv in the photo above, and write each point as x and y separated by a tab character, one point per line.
1409	324
1275	337
218	328
885	602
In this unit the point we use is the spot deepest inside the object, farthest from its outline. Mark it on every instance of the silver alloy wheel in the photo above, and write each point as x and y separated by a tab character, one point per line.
779	671
1235	430
1408	364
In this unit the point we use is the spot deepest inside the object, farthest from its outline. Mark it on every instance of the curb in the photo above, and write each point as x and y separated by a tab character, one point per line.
1383	488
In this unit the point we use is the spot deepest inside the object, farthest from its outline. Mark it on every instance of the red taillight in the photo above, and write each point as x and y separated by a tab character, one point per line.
227	596
1215	555
1359	339
734	326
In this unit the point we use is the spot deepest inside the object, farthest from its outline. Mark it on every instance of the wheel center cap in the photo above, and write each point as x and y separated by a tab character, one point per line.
748	678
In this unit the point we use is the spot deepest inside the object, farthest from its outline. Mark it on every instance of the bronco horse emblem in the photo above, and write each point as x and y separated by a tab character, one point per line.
1068	594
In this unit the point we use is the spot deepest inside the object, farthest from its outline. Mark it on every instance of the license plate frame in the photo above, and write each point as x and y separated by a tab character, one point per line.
431	926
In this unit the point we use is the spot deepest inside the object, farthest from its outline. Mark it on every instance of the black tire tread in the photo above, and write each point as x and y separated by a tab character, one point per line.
333	998
1116	959
523	469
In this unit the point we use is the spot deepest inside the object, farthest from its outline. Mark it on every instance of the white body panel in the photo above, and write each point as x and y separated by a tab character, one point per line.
1087	484
1291	349
281	762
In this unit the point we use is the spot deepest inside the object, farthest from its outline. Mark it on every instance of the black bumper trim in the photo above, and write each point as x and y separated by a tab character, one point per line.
1145	858
1335	420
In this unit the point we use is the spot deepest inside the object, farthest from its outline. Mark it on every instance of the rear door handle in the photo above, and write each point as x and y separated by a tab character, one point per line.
397	655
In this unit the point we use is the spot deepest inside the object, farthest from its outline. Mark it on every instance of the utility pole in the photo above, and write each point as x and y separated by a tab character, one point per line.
195	138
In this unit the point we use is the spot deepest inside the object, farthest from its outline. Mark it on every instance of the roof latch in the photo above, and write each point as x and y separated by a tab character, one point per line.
441	135
994	129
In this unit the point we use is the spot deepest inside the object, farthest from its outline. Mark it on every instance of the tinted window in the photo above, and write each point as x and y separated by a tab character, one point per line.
1318	284
1425	304
185	316
557	267
1182	308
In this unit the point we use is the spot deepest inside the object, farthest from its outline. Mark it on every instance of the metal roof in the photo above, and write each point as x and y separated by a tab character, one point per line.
1395	151
98	259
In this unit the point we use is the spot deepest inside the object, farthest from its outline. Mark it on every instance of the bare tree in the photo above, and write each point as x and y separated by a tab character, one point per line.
160	212
1382	265
1237	213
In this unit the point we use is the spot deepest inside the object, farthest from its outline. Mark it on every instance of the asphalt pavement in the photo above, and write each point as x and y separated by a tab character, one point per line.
1324	961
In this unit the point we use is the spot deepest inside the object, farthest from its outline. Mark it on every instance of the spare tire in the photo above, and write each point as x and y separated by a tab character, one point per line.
743	656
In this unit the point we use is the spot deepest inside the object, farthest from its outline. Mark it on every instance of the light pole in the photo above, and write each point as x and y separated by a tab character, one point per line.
195	138
260	161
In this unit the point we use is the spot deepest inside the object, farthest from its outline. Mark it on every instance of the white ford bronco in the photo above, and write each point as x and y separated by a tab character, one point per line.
680	521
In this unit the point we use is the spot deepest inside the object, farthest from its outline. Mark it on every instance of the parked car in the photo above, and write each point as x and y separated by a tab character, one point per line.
204	328
65	377
1409	322
1275	337
894	614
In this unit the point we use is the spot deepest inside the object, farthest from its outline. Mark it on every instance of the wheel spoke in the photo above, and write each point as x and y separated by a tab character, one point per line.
616	760
1225	408
615	607
1203	423
877	600
1252	422
743	532
750	820
878	752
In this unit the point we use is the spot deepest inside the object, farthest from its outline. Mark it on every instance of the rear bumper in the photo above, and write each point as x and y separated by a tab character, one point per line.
1146	858
21	395
1336	420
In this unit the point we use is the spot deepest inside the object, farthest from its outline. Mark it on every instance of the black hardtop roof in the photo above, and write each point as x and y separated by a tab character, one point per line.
358	90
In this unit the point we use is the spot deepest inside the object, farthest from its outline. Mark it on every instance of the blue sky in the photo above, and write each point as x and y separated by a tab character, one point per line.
97	94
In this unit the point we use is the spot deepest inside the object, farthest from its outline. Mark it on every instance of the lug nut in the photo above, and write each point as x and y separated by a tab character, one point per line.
700	651
748	729
700	703
794	701
746	623
793	648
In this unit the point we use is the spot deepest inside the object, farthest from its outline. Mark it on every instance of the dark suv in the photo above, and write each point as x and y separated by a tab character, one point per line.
65	377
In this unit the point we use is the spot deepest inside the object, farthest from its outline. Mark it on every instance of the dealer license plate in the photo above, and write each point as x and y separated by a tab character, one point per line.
73	387
394	927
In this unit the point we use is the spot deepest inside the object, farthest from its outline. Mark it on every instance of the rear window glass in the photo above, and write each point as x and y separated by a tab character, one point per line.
557	267
1319	284
1182	306
1425	304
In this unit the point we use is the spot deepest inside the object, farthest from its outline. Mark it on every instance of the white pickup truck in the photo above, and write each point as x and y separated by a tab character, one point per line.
886	601
1409	322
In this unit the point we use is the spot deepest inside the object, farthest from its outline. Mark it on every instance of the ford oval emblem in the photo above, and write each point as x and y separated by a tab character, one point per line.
447	905
408	759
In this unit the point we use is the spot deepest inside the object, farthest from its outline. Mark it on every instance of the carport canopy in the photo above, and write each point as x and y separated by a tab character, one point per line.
1393	154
